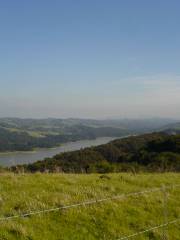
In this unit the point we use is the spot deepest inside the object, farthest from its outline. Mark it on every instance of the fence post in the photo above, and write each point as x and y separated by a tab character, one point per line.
165	212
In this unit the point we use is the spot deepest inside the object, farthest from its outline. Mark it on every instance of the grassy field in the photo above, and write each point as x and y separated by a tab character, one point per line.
107	220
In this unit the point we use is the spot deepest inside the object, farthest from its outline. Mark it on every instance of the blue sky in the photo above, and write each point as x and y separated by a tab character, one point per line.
97	58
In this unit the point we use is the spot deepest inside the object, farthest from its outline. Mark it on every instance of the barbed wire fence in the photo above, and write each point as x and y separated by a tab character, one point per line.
164	225
165	212
150	229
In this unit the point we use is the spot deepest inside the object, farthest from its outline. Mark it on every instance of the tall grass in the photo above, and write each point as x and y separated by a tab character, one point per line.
107	220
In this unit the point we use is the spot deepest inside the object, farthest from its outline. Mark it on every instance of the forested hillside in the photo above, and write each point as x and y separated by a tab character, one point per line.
150	152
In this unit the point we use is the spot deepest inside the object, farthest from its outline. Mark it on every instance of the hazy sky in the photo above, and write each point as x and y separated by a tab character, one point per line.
90	58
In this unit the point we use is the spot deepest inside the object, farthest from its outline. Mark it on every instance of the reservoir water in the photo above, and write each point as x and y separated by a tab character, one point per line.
14	158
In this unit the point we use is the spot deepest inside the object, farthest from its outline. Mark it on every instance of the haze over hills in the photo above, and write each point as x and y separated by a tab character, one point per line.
59	125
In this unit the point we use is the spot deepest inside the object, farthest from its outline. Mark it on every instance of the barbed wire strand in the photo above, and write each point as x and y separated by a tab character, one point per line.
150	229
91	202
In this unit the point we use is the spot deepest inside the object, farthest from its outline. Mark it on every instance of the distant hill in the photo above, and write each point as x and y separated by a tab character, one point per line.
23	141
150	152
26	134
63	125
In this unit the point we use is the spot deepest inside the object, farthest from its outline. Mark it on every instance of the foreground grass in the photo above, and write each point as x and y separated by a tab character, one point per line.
107	220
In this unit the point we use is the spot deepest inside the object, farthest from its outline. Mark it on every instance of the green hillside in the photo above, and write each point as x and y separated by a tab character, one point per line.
19	137
110	219
156	152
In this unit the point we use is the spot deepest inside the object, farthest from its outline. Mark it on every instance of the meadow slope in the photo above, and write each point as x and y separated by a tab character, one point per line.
107	220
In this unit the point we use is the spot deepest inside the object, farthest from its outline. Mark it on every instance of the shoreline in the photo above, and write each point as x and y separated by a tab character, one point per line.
35	150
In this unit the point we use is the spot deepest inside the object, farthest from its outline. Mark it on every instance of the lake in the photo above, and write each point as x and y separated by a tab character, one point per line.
14	158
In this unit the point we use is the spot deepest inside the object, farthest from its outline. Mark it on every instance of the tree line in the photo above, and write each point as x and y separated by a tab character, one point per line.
156	152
